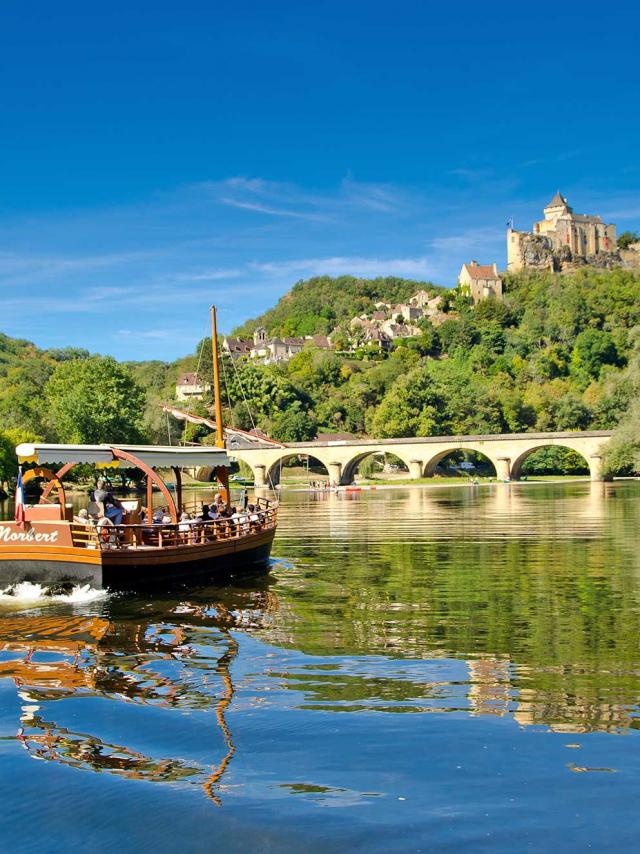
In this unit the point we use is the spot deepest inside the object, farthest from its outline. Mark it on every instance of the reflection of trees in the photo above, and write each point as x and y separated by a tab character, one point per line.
545	605
161	662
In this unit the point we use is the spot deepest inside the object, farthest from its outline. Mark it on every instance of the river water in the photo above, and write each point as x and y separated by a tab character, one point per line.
422	670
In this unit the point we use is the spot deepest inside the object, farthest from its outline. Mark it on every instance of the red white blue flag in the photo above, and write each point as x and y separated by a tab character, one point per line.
19	500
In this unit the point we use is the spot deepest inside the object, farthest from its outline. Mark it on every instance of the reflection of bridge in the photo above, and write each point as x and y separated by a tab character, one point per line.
507	453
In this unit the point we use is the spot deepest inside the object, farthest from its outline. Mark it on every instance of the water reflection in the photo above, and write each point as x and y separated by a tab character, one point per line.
182	665
512	605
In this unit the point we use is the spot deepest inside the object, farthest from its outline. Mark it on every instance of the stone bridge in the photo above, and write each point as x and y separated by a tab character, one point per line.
507	452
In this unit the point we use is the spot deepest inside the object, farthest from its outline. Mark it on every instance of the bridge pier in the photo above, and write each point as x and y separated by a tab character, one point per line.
259	475
503	468
595	468
335	473
415	469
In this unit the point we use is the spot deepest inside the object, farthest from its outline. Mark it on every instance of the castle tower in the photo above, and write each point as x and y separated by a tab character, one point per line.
557	207
562	239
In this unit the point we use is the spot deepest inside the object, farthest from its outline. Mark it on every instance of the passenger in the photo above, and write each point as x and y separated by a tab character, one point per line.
217	499
254	519
185	527
113	509
106	532
158	515
82	518
214	513
204	513
166	516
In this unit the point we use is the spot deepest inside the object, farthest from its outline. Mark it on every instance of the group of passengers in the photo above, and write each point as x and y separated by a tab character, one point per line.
106	511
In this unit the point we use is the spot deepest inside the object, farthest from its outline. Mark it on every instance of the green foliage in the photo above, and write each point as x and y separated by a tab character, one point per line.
555	461
592	350
94	400
319	304
627	238
293	425
9	440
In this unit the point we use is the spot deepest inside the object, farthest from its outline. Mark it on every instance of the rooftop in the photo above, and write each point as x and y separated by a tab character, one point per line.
558	201
481	271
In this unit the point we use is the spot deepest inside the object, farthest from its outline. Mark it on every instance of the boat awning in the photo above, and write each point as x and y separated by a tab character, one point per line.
103	456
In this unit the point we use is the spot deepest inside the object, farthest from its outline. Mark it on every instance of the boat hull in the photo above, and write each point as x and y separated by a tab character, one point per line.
133	568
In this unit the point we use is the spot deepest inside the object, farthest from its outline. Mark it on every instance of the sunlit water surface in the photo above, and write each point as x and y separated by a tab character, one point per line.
423	669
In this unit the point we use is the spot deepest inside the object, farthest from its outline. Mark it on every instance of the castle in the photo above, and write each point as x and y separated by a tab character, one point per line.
563	238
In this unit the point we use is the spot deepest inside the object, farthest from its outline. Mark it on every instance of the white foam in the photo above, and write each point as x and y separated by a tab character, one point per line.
26	593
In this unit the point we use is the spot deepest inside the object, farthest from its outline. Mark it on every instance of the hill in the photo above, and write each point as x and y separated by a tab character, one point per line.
316	306
558	353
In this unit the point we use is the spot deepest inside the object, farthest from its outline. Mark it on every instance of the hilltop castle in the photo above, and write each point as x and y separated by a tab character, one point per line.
563	238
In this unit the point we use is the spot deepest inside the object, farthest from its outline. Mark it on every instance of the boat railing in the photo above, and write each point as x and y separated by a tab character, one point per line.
84	536
192	532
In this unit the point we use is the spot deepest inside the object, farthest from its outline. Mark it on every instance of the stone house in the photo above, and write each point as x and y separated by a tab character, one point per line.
480	281
189	387
237	348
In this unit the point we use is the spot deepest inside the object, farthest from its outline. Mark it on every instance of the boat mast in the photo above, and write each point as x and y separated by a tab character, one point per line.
222	472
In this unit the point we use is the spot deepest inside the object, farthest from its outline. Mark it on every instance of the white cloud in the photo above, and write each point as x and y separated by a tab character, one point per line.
346	265
470	240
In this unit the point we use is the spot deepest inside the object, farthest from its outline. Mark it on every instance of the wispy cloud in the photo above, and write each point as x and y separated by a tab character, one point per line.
265	209
470	240
345	265
280	199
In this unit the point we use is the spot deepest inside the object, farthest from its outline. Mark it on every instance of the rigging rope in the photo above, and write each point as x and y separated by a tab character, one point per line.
183	441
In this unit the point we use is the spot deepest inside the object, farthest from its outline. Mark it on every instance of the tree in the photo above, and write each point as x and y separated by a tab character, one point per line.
293	425
593	348
627	238
92	401
9	440
622	453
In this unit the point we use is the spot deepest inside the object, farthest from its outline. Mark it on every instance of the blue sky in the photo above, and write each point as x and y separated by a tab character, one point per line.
157	157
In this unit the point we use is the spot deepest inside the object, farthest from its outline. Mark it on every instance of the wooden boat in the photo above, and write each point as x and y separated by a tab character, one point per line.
49	547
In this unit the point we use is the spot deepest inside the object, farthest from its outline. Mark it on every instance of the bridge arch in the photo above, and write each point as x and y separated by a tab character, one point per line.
432	463
274	471
350	466
592	463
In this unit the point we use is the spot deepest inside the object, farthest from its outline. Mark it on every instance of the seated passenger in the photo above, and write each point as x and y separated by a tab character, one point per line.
83	517
113	509
106	532
254	518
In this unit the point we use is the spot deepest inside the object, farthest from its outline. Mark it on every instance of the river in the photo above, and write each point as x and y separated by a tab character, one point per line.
422	670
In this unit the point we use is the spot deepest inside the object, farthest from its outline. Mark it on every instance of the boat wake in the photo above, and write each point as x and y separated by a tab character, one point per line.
27	593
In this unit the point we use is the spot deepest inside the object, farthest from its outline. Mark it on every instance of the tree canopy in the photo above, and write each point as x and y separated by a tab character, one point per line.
94	400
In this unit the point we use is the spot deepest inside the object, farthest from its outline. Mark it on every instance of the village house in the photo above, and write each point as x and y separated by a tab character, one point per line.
399	330
480	281
189	387
237	348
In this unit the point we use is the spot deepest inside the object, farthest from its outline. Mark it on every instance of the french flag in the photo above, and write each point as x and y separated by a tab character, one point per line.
19	500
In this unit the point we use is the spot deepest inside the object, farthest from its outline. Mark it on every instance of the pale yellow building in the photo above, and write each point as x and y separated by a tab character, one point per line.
480	281
562	237
189	387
